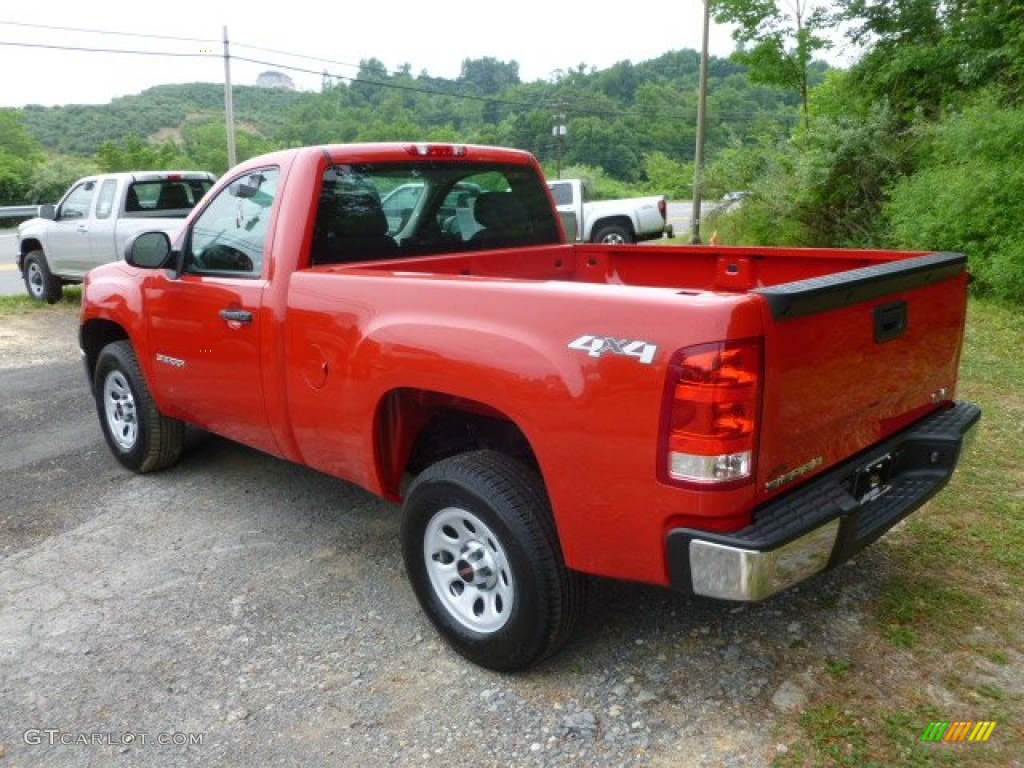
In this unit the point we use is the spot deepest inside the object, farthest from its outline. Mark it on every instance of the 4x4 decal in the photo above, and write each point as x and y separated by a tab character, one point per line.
595	346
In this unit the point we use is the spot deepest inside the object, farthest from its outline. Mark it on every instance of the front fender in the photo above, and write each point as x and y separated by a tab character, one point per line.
112	309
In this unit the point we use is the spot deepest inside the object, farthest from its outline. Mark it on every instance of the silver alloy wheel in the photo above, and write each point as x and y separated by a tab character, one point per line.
468	570
119	405
614	238
35	280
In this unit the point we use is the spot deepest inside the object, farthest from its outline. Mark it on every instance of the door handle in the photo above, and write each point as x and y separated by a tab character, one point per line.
236	315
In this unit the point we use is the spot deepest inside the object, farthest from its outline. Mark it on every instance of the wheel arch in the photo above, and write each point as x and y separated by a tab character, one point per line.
25	247
94	335
414	428
612	221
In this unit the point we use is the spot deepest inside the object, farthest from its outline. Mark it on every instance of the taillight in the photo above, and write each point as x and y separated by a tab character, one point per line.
710	415
663	208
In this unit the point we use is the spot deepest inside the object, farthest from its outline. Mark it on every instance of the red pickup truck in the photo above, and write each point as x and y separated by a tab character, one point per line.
723	421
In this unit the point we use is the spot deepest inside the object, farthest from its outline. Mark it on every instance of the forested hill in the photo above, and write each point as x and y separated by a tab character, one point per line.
615	118
156	113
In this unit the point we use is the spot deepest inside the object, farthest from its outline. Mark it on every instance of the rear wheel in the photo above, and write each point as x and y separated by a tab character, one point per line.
614	234
40	283
140	437
484	561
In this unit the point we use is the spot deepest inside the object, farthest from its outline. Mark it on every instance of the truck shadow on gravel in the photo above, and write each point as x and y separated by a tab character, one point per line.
677	648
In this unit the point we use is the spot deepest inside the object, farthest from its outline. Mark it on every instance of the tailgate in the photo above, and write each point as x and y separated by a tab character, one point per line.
852	358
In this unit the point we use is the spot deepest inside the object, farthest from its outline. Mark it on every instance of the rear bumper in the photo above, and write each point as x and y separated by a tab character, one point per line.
829	519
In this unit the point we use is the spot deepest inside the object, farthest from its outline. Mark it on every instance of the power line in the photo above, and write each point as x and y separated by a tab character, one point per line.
107	32
84	49
294	55
544	103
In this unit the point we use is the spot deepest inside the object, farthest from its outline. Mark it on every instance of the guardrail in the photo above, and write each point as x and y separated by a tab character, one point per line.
19	211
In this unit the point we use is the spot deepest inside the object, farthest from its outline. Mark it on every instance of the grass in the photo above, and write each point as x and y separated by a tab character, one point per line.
21	303
948	627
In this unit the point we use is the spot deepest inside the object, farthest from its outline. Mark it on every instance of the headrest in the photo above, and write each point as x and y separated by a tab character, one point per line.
172	196
353	215
498	210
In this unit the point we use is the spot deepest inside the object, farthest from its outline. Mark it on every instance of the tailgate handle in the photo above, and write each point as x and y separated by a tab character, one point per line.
890	321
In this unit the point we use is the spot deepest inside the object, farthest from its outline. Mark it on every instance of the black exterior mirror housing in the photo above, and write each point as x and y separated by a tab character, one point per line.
148	250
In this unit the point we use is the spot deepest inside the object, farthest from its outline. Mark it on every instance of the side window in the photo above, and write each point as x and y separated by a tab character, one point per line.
562	193
78	202
105	203
229	236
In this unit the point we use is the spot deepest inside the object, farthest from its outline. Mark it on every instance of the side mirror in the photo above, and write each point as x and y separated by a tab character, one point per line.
148	250
48	211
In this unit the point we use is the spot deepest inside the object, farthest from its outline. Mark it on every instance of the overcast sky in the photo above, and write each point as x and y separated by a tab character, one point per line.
542	36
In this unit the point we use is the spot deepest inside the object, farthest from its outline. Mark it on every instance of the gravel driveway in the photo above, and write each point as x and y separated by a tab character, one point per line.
239	610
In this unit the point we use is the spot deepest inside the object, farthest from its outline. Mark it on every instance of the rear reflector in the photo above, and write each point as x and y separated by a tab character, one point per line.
710	414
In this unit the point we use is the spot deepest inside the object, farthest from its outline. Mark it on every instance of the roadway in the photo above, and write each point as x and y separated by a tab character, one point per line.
10	277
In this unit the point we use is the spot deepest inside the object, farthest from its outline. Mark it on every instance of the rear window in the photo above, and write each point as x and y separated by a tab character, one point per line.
389	210
165	195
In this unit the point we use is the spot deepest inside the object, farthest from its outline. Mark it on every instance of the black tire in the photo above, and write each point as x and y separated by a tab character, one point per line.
483	558
613	234
139	436
39	282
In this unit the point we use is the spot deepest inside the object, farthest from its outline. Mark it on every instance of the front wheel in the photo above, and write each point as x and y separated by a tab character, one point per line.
40	283
484	561
139	436
614	234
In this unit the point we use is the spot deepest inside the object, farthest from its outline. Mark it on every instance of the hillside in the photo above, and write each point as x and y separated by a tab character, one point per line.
616	118
157	112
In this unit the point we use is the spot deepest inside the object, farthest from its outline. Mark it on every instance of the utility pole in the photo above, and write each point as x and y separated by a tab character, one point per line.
229	103
702	99
559	132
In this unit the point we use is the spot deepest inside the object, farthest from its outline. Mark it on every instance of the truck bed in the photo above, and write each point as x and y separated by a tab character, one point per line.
695	268
858	344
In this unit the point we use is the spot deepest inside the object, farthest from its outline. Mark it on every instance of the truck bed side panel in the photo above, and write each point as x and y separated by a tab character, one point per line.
592	420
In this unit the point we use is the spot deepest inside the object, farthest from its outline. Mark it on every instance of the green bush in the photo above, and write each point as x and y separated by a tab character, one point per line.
967	196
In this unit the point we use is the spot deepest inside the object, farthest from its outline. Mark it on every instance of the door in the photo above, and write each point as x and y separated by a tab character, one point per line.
68	251
569	207
205	326
102	245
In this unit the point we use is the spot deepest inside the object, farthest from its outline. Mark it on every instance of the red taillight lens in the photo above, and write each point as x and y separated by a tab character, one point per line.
663	208
710	415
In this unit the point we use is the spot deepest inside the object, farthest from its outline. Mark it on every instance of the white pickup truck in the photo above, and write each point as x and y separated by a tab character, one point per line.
94	220
609	221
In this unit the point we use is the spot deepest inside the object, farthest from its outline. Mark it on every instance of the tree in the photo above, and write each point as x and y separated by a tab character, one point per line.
924	56
19	152
51	178
783	37
909	63
967	195
489	75
134	154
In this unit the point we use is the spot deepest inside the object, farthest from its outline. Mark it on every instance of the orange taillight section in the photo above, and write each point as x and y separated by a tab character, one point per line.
710	414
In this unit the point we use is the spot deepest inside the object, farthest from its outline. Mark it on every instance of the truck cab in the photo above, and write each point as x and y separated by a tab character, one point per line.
94	220
614	222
